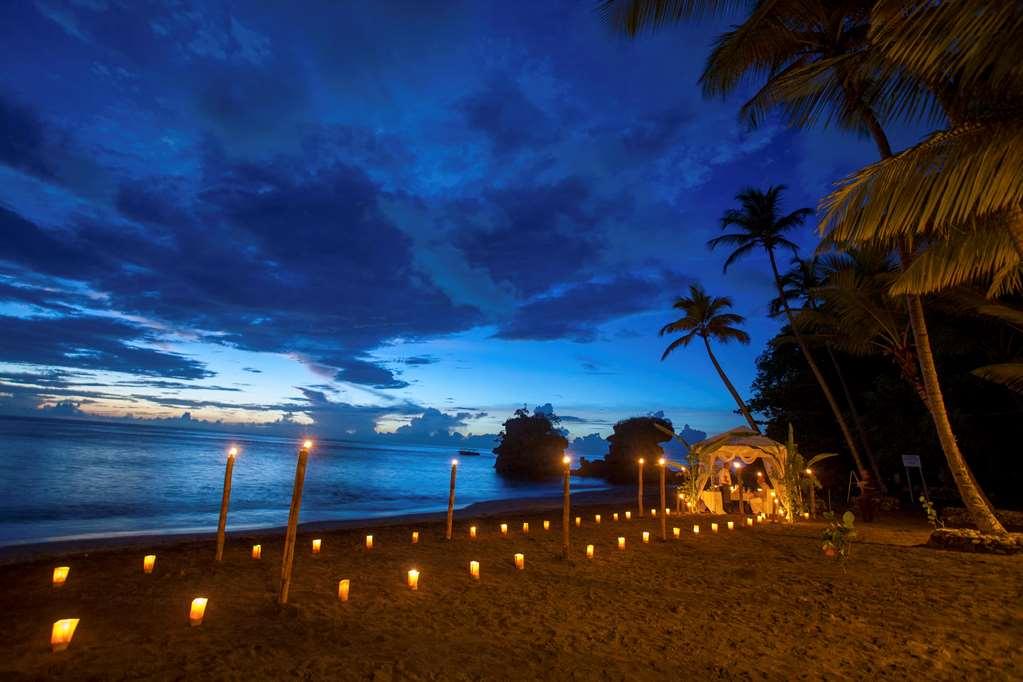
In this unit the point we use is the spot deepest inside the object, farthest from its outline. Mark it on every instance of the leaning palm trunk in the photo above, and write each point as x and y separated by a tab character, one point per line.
973	497
731	389
825	389
976	502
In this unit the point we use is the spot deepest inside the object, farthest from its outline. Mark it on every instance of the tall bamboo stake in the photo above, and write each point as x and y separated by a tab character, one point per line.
813	495
640	503
289	538
224	500
664	502
451	498
565	506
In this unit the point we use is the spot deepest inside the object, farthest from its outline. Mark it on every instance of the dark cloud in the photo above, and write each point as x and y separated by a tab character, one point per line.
23	139
357	371
505	114
420	360
90	342
578	312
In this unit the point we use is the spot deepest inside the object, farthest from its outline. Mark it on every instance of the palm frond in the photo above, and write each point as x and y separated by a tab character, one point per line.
1009	374
633	16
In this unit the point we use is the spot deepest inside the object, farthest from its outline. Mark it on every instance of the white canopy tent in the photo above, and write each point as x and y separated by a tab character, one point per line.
743	444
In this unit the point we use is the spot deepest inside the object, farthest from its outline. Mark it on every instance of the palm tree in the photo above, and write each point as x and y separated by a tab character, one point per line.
706	318
856	62
760	226
801	285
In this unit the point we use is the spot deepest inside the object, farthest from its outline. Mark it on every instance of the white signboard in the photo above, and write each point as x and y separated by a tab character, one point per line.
911	461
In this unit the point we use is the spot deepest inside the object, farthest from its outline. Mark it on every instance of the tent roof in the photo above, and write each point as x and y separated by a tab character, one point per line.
738	442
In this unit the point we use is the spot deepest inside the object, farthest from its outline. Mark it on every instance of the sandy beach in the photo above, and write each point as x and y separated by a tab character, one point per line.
757	603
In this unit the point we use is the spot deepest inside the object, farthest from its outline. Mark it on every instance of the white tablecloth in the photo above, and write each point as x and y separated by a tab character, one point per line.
712	498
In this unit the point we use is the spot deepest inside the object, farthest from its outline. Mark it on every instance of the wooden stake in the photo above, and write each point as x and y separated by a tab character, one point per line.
813	499
222	523
664	494
289	538
451	498
641	486
565	508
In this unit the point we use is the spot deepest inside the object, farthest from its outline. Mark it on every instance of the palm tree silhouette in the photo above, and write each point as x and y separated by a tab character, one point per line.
706	317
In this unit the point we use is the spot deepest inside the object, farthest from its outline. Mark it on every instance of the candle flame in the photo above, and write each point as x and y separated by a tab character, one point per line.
661	461
454	462
307	444
232	452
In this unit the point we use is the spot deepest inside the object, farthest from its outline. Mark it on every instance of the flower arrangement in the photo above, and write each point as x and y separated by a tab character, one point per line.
838	536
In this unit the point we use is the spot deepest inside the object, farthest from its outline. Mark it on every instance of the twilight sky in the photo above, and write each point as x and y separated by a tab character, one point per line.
372	216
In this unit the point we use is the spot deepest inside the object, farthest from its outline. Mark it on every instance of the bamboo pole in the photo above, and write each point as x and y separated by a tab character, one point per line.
640	497
289	538
224	501
664	502
813	495
565	507
451	499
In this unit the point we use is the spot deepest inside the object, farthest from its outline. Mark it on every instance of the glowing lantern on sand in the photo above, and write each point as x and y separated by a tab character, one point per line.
257	551
62	632
520	561
60	575
148	562
342	589
474	569
197	612
621	543
317	543
589	551
413	579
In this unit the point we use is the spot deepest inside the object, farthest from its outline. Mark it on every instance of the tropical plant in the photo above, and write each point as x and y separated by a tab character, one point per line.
838	535
816	61
798	477
760	225
932	513
706	318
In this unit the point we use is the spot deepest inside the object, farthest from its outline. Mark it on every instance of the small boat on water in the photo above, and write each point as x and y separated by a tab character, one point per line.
468	453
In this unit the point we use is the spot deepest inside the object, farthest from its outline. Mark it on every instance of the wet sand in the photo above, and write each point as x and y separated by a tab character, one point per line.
749	604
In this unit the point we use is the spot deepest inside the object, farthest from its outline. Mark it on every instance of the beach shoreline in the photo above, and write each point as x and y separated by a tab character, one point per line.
32	550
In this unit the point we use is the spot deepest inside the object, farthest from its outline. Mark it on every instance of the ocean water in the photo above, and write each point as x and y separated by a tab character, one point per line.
62	479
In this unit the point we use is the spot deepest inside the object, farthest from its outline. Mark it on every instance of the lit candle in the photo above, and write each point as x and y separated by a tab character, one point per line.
596	518
806	515
474	569
472	532
696	530
148	562
615	516
713	528
621	543
589	551
316	545
504	529
60	575
749	521
525	526
369	542
62	632
546	525
342	589
198	610
520	561
646	536
415	537
667	511
578	521
257	551
628	516
677	532
413	579
653	512
731	525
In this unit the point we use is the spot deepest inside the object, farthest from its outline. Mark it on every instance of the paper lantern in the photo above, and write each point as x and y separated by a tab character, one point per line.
667	511
596	518
749	521
615	516
546	525
806	515
60	575
628	516
413	579
369	542
621	543
696	530
646	537
197	612
520	561
317	543
589	551
474	569
653	512
415	537
525	527
713	528
731	525
342	589
62	632
677	532
148	562
578	521
472	532
504	529
257	551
